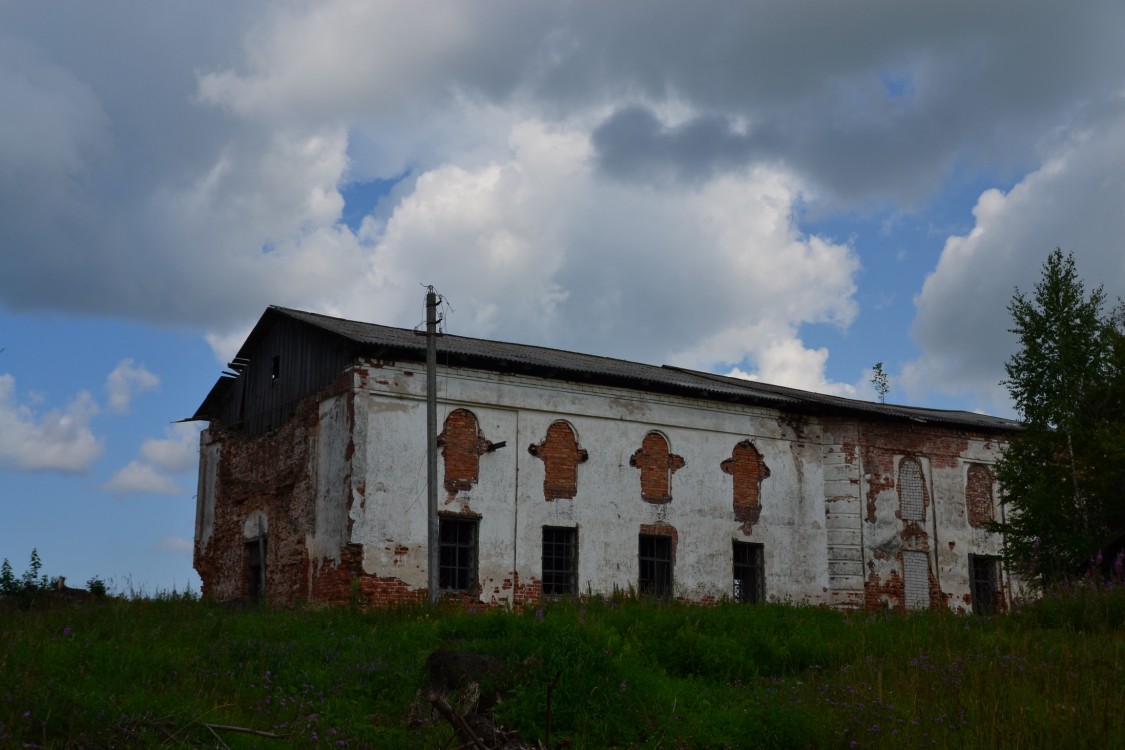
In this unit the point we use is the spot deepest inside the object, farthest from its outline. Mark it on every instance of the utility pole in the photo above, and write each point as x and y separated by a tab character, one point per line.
432	528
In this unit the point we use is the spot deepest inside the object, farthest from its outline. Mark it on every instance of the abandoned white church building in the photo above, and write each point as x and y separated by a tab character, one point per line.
564	473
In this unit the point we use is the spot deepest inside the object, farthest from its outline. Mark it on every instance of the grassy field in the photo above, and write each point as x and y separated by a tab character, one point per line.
625	673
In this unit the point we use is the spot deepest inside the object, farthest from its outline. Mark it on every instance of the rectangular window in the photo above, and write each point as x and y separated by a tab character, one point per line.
655	557
255	554
916	579
457	567
984	573
749	572
560	561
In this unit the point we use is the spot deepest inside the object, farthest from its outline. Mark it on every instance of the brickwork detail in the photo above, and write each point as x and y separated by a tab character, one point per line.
345	582
657	464
523	594
462	445
268	476
978	496
748	468
897	593
560	454
911	490
879	595
916	573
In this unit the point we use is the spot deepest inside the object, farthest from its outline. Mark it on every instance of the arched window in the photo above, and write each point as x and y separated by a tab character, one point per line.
911	490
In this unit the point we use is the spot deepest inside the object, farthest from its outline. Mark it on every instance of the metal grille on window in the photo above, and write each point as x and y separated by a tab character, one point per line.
749	572
560	561
655	557
910	491
985	573
457	567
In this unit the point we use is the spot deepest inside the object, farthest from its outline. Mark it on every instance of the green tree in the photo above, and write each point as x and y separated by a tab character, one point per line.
880	381
1062	475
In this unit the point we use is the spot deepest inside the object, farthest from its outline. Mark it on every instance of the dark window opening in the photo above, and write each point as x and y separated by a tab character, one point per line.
655	557
984	572
749	572
457	567
275	368
256	568
560	561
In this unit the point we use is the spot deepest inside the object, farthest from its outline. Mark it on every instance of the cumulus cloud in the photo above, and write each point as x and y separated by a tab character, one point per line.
788	363
56	440
177	452
627	178
160	462
137	476
125	381
546	251
175	544
1073	202
272	107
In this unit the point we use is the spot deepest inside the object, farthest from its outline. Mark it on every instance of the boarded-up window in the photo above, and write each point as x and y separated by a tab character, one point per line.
916	579
978	496
911	490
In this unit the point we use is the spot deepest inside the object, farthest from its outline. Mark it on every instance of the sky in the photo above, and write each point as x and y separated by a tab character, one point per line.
787	191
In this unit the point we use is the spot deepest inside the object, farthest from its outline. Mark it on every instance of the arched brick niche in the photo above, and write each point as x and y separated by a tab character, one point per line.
748	469
657	464
462	445
560	453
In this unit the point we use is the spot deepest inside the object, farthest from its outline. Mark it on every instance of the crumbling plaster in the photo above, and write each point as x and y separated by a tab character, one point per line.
608	509
354	493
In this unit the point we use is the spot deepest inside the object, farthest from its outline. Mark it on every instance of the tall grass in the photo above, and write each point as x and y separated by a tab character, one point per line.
625	673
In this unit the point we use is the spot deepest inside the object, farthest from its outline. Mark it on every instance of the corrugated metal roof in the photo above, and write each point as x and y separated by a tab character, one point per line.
403	343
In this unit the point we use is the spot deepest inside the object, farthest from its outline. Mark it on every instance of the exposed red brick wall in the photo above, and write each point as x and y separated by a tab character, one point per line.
560	454
748	468
891	594
880	443
345	582
523	594
978	496
657	465
877	594
268	474
462	444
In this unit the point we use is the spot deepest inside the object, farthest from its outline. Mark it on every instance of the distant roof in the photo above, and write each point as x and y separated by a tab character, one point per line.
386	342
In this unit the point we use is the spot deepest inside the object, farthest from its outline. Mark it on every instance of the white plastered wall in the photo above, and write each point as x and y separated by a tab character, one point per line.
608	509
